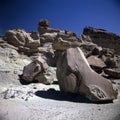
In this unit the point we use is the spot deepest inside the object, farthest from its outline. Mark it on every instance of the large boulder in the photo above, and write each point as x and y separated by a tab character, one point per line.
36	70
96	63
75	76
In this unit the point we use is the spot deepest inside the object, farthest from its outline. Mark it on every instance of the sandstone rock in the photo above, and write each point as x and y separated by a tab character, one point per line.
48	77
34	35
62	45
15	37
103	38
96	63
44	23
96	51
114	73
4	44
110	62
48	37
75	75
36	71
87	48
23	40
11	66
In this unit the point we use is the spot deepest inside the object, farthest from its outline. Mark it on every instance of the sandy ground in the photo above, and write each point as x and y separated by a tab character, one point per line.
46	102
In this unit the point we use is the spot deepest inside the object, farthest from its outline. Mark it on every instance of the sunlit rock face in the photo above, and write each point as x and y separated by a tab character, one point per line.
75	76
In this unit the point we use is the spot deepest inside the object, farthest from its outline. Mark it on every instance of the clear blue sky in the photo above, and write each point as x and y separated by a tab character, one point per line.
71	15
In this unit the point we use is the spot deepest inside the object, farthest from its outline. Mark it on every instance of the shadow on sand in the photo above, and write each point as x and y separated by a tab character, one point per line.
61	96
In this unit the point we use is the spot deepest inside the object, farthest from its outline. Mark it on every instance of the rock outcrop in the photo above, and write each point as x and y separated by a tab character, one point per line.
102	38
25	42
96	63
75	76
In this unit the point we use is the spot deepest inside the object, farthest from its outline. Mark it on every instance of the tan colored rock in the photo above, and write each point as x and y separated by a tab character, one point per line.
15	37
96	63
75	76
114	72
37	68
19	38
62	45
102	38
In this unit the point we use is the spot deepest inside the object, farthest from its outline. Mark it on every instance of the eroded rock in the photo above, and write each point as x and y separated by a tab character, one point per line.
62	45
75	75
96	63
102	38
36	70
22	40
114	72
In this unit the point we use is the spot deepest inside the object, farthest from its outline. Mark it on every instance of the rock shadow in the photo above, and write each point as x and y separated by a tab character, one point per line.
61	96
23	82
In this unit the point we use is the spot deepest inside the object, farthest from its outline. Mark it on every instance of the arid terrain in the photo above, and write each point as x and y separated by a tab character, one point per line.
33	84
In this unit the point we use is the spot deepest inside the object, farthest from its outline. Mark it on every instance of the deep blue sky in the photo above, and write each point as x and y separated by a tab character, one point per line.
71	15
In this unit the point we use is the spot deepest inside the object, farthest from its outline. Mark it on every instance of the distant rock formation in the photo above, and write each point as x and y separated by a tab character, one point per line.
102	38
25	42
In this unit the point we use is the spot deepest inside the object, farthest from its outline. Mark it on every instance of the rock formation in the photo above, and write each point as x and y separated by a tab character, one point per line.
102	38
25	42
36	71
96	63
75	76
37	55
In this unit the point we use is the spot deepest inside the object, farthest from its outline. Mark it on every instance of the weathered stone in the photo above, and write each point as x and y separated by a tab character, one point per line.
114	73
11	66
34	35
75	75
110	62
44	23
48	77
62	45
32	70
15	37
19	38
96	51
96	63
103	38
48	37
87	47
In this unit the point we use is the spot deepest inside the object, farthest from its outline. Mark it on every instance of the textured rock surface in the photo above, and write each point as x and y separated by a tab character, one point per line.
114	73
38	66
102	38
22	40
75	76
96	63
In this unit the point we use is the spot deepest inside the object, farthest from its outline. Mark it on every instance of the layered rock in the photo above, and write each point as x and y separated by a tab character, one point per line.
96	63
75	75
24	41
114	73
102	38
